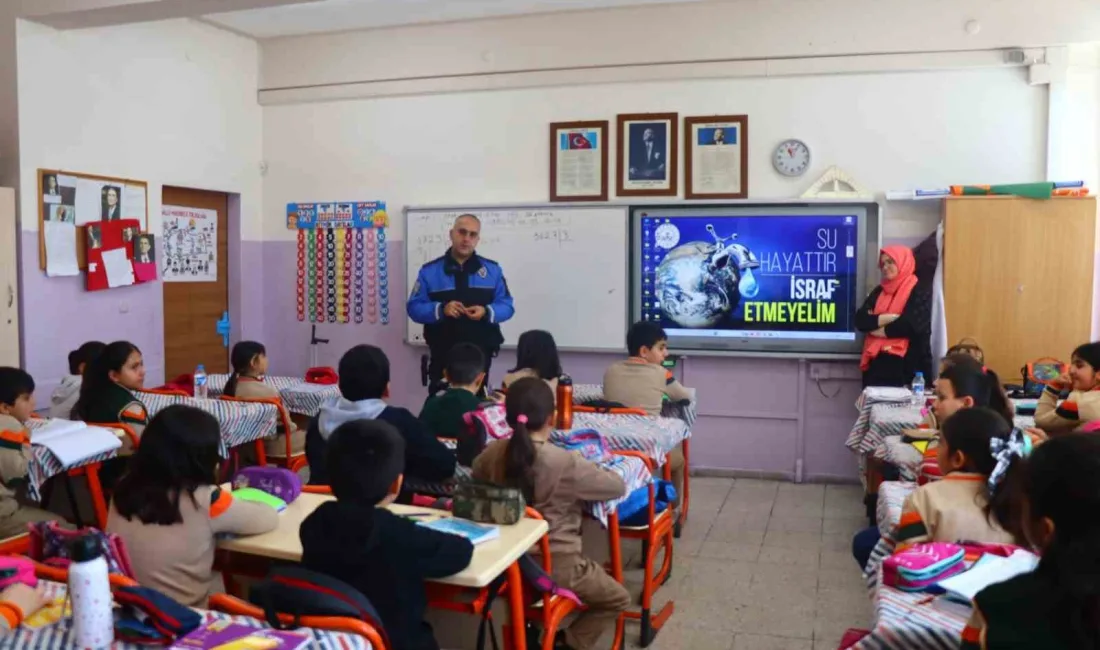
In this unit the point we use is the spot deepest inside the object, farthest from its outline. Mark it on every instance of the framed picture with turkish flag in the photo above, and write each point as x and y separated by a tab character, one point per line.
578	161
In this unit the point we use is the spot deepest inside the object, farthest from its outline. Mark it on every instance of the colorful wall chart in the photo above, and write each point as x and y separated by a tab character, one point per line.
339	245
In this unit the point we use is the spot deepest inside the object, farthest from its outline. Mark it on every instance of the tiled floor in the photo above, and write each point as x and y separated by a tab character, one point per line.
763	565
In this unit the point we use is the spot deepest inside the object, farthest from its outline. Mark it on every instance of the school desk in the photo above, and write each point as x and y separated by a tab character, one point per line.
44	466
240	423
490	560
299	397
60	634
891	498
591	392
914	621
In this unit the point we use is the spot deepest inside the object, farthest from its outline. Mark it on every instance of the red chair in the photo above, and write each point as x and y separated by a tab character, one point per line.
237	607
91	471
18	545
290	460
550	610
655	535
165	390
59	574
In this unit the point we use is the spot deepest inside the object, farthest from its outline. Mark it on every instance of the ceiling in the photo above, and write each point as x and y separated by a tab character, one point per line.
342	15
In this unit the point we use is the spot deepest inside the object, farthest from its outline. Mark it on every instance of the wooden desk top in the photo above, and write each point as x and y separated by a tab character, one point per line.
490	559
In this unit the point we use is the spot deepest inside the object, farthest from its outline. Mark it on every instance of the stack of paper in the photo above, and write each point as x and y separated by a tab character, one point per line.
72	442
476	533
989	570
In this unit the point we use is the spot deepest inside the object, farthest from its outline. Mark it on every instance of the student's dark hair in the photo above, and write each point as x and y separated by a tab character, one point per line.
644	334
178	455
1089	353
241	358
465	361
84	355
529	404
970	348
536	350
959	359
1061	481
982	385
970	431
14	383
97	378
364	373
364	458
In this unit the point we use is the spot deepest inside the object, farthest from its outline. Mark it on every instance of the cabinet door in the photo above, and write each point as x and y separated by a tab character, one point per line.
1018	277
9	281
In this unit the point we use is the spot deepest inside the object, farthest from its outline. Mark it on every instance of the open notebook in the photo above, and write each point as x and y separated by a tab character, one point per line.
988	570
73	442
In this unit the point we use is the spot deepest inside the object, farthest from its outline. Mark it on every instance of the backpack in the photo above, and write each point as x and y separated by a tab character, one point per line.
276	481
1039	373
300	592
50	544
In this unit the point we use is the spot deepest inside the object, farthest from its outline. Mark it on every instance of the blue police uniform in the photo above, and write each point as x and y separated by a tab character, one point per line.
477	281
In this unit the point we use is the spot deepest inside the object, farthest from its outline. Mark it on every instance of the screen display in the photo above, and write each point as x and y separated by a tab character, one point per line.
738	275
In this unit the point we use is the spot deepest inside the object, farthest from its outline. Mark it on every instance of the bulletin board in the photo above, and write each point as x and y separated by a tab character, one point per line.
83	198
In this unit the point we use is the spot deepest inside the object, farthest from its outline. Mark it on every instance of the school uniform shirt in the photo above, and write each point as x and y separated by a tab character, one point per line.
64	397
1018	614
252	388
522	373
636	383
118	404
443	416
426	458
949	510
178	560
15	456
563	481
1080	407
386	557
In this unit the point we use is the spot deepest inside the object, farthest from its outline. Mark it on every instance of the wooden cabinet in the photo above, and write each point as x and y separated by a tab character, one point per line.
9	280
1018	277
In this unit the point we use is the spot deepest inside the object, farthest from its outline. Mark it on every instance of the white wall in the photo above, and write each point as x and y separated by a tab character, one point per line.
170	103
890	131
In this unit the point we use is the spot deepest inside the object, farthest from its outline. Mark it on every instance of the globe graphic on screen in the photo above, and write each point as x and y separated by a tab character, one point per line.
699	284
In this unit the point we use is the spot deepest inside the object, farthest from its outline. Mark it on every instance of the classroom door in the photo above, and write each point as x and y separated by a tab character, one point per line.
192	309
9	281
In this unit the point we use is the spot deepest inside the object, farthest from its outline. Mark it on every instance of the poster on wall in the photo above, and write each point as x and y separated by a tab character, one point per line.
578	161
190	242
647	154
716	157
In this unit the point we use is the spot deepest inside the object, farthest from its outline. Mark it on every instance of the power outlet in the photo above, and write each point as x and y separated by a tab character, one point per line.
825	371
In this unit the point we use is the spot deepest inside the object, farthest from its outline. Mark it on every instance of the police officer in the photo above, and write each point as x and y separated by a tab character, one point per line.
460	298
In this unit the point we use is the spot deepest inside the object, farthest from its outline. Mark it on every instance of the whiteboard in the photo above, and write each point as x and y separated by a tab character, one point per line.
566	267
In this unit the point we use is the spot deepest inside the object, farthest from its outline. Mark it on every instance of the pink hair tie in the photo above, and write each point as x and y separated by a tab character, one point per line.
522	419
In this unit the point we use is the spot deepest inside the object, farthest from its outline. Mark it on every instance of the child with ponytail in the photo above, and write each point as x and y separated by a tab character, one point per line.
249	361
556	483
1056	606
1083	403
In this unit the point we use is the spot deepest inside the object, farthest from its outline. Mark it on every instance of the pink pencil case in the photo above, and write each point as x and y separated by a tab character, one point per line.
16	570
923	565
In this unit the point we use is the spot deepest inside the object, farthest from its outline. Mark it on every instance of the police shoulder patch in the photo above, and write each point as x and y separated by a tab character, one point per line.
483	272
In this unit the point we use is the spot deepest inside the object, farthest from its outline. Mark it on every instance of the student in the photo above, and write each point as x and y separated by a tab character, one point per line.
16	407
386	556
249	361
556	483
536	356
106	392
956	507
17	602
1056	606
364	385
168	507
642	382
68	391
443	412
1083	403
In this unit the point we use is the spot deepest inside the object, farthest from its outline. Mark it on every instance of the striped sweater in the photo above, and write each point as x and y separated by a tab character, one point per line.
1080	407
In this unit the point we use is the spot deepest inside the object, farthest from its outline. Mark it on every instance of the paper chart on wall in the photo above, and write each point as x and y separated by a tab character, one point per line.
60	249
133	204
120	271
190	244
88	201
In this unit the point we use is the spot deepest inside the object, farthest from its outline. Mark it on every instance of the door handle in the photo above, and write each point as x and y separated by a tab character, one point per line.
11	295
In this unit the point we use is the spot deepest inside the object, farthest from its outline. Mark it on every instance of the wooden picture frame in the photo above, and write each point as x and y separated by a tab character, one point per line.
654	173
713	166
572	146
81	236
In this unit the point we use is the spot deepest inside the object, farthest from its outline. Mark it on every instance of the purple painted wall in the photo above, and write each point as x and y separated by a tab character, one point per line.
755	415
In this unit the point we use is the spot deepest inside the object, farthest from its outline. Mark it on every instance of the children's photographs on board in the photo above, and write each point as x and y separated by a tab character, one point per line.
190	242
647	154
94	236
61	213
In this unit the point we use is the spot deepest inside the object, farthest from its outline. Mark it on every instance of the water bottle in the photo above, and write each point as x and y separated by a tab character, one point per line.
200	382
918	390
565	403
90	591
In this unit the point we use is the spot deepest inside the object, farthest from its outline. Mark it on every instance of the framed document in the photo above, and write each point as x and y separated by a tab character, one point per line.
578	161
647	154
716	155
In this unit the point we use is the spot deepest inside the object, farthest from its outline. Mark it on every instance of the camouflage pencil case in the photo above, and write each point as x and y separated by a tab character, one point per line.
488	504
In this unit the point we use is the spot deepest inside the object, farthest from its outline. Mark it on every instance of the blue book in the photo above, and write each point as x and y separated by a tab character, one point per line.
476	533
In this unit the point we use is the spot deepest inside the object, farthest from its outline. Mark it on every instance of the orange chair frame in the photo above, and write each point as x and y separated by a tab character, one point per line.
291	461
345	624
58	574
91	472
170	392
655	535
17	545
